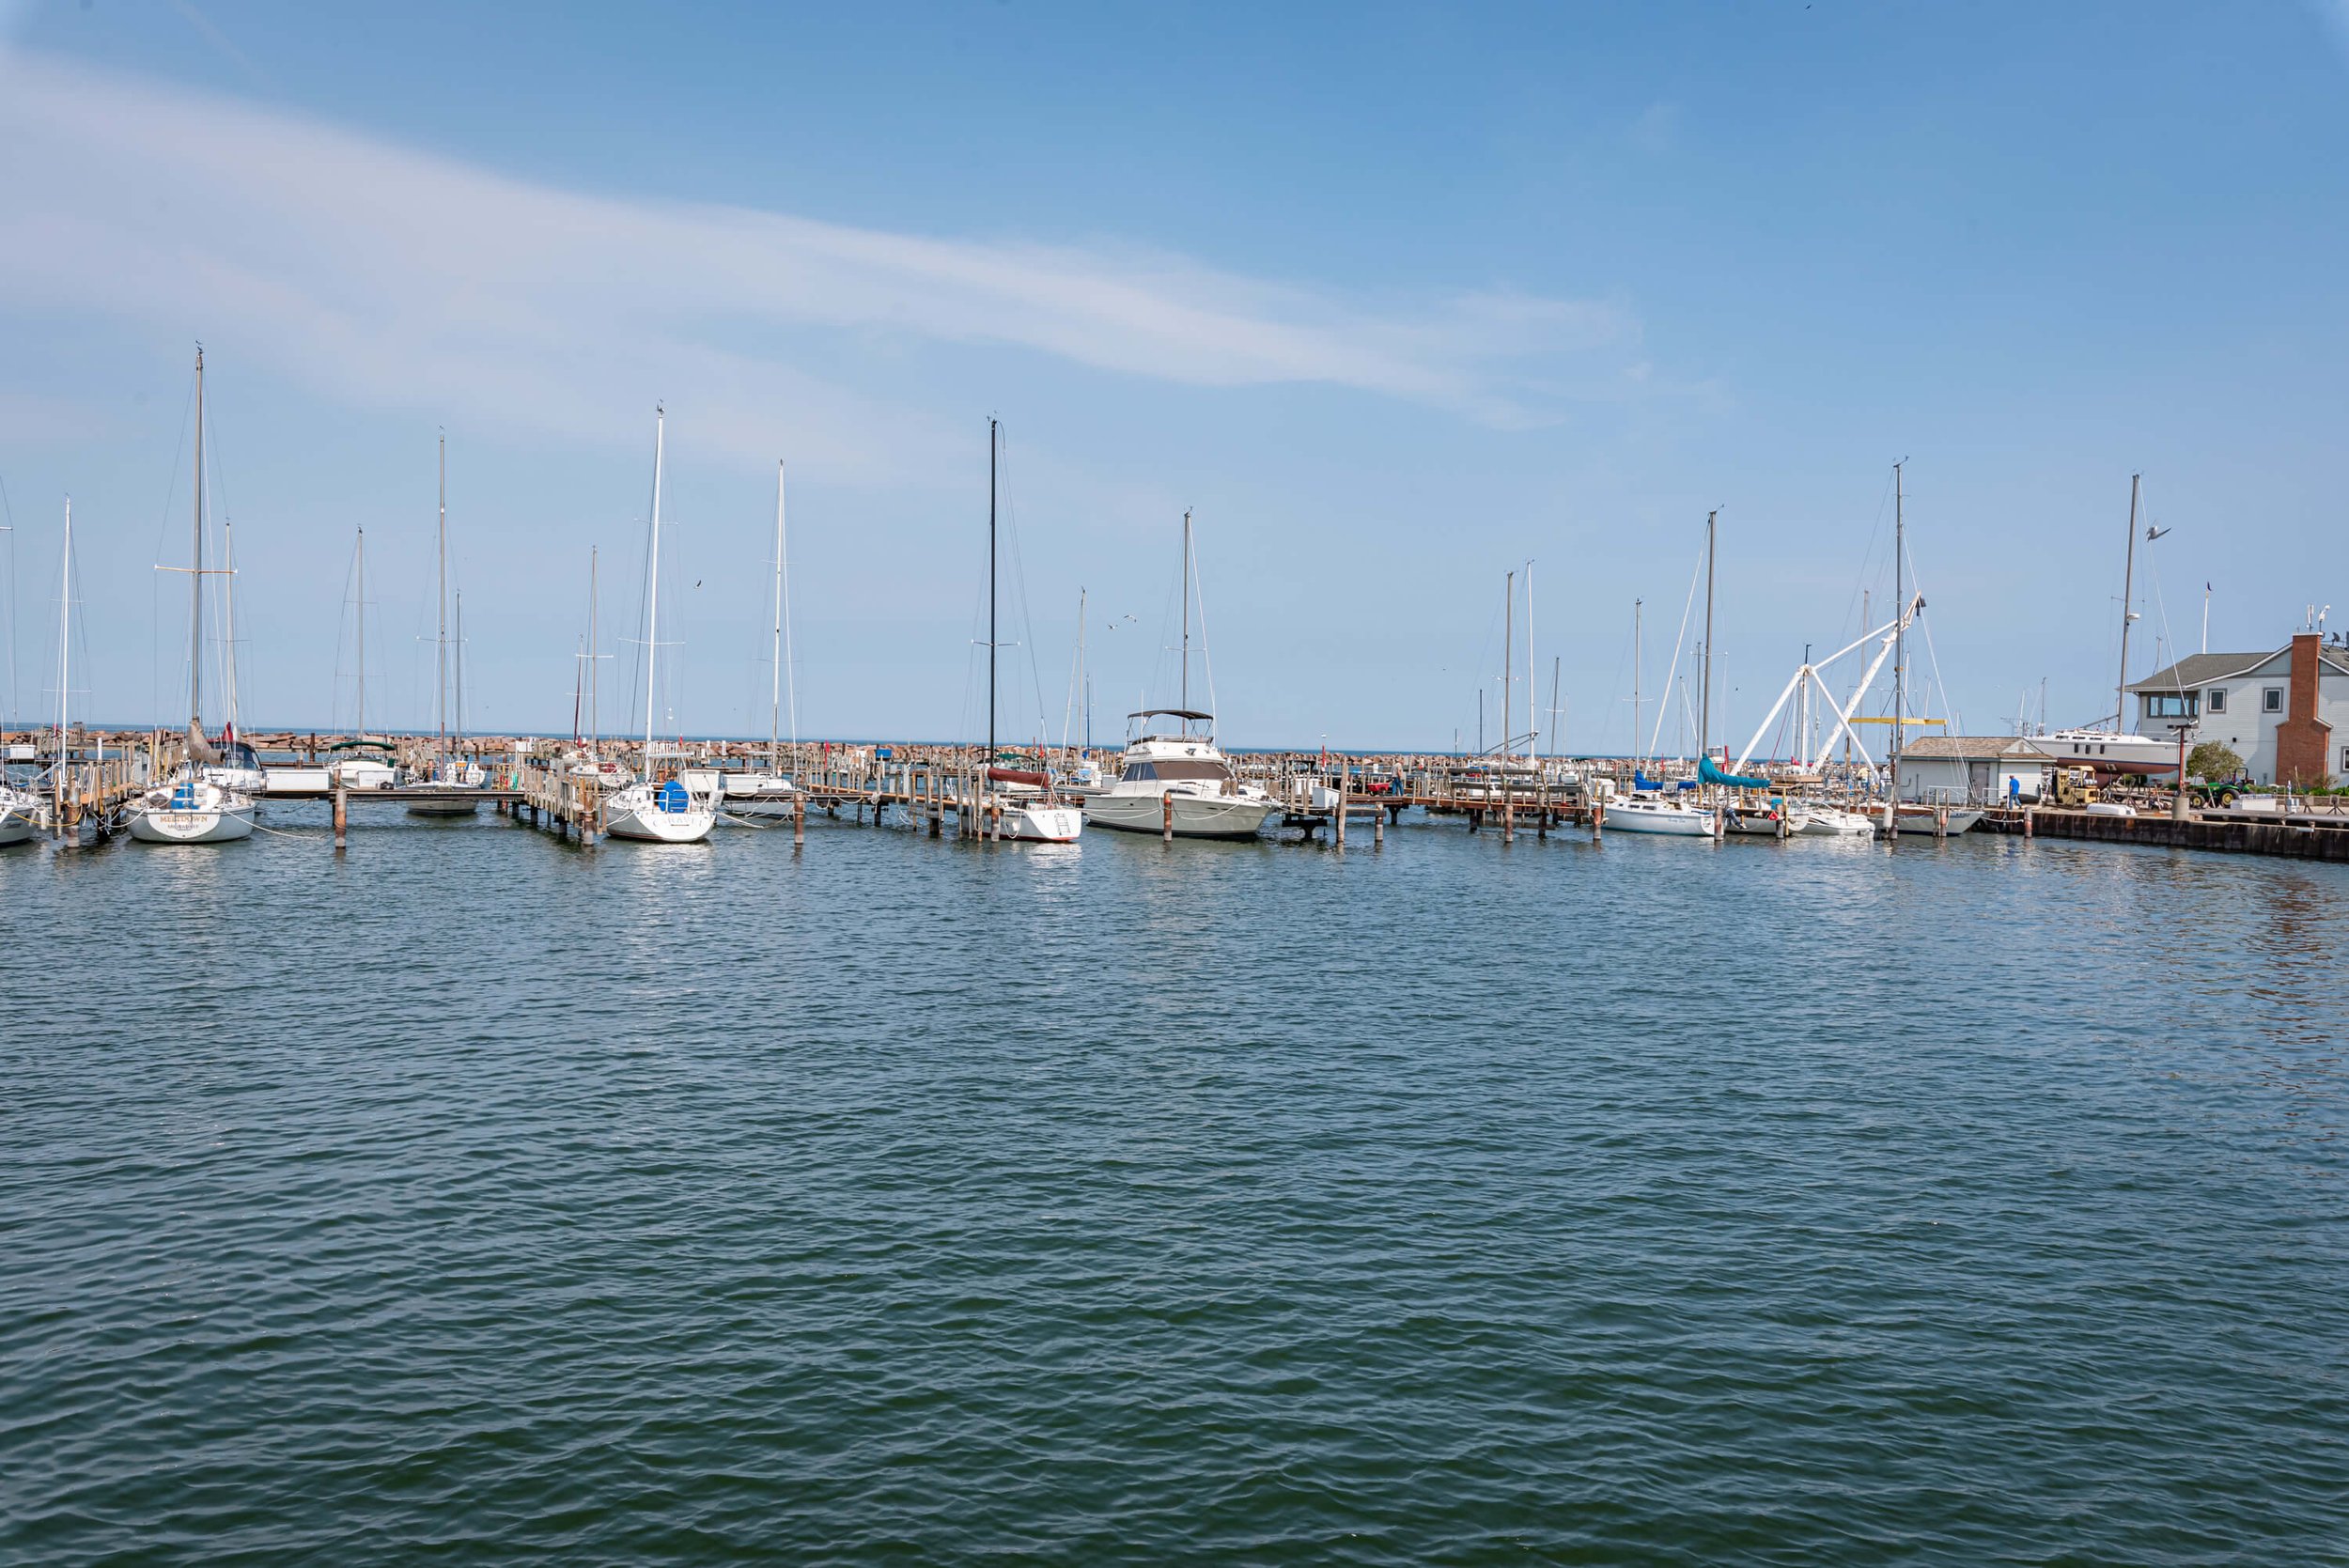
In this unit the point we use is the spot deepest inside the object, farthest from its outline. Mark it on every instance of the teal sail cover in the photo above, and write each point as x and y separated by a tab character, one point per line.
1711	774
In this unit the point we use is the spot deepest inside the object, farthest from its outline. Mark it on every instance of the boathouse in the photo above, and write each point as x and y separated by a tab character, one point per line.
2285	714
1976	769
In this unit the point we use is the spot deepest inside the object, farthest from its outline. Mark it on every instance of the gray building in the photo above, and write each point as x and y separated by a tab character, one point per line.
2285	712
1972	769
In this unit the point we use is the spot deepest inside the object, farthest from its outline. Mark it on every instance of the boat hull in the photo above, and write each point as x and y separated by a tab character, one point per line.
1195	815
16	825
1830	822
163	825
1042	824
446	800
646	814
1664	822
1922	824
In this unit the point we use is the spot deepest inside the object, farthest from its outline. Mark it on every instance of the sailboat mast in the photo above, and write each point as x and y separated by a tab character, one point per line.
196	575
1508	662
461	664
1558	729
992	444
1186	702
439	625
594	723
2128	583
362	634
1704	701
774	717
65	642
1900	631
652	593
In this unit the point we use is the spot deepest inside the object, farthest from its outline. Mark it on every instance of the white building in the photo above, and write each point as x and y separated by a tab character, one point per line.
2285	714
1978	769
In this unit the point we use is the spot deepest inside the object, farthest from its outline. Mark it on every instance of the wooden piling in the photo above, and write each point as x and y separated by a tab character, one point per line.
342	813
799	819
1346	776
1166	818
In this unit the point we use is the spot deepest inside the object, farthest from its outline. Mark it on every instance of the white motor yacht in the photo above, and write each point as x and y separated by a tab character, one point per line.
1186	775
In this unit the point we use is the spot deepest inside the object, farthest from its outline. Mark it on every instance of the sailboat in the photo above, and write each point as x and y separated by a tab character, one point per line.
448	792
654	810
1651	808
20	807
1180	782
192	806
1018	802
772	793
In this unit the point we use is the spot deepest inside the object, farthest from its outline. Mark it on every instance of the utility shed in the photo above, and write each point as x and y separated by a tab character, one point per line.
1972	769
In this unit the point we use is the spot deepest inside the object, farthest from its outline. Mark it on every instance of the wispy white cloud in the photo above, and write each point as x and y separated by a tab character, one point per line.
383	274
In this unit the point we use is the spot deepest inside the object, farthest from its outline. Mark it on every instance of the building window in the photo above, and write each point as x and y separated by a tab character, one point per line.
2170	704
2217	695
2272	700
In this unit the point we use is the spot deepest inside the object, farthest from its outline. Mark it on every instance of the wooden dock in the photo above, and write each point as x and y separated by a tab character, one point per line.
2309	836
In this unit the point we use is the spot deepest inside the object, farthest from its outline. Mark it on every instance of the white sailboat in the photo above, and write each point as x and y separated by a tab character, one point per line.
1016	803
20	807
653	810
773	792
449	791
1180	782
1649	810
192	807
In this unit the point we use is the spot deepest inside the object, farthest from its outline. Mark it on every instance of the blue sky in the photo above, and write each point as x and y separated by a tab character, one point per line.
1394	300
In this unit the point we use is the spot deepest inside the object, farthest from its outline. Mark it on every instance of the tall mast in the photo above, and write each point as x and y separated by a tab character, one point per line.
196	575
1531	729
1508	660
652	594
1900	633
1084	676
362	634
774	717
459	639
990	593
593	725
2128	582
440	611
1557	732
65	643
1704	701
1186	702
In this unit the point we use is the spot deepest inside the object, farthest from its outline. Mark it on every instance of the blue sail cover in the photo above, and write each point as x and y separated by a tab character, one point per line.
1713	775
672	798
1641	780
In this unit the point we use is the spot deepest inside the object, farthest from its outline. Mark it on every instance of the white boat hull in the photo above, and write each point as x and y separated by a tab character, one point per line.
642	812
1832	822
1195	815
16	824
759	796
1648	816
1037	823
1920	824
163	825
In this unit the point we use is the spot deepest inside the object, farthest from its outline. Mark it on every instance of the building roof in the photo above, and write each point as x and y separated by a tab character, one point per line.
1970	748
2200	669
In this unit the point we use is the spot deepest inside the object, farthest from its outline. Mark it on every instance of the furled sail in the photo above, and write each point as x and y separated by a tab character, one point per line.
199	749
1711	773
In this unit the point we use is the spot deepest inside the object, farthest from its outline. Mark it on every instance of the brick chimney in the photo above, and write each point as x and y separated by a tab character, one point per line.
2303	741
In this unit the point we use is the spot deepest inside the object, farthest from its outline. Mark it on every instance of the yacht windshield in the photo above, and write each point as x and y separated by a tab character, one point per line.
1176	767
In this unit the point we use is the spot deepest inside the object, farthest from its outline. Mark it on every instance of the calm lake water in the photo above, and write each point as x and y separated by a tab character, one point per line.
472	1198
